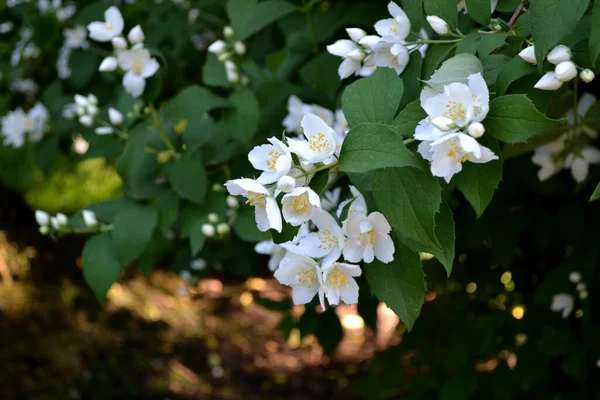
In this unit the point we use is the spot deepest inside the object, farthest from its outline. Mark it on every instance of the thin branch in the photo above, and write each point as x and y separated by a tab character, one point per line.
517	12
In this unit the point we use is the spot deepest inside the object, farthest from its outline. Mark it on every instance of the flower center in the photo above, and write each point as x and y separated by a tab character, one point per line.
454	111
108	26
300	204
307	276
338	279
257	199
318	143
393	60
272	161
369	237
137	67
28	123
456	153
327	240
393	28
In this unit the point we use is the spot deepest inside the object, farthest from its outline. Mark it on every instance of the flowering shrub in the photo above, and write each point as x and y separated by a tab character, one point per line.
316	133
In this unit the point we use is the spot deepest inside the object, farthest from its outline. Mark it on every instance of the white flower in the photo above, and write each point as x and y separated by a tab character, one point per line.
36	121
302	274
104	130
448	153
265	206
320	144
42	218
275	160
562	302
331	199
232	202
357	53
136	35
339	283
579	163
297	110
115	116
559	54
368	238
111	27
239	48
86	120
548	82
299	205
267	247
139	66
547	157
327	243
13	128
575	277
528	54
109	64
217	47
75	38
438	25
587	75
119	43
286	184
358	205
391	55
395	29
61	219
198	264
565	71
223	229
89	218
208	230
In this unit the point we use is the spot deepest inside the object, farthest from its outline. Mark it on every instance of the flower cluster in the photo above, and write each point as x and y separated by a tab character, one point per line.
25	48
215	228
564	71
17	124
564	302
135	62
74	39
60	222
230	52
454	123
86	107
571	150
310	263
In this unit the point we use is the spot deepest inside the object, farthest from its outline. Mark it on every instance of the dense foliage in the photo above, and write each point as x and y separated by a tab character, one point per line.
434	155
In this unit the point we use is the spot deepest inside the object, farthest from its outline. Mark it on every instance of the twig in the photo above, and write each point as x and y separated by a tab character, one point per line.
517	12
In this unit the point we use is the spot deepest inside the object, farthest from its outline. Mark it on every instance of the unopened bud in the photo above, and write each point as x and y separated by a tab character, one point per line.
89	218
443	123
583	295
217	47
587	75
357	55
109	64
119	43
44	230
228	32
136	35
528	54
548	82
559	54
232	202
86	120
62	219
42	218
575	277
81	100
286	184
438	25
581	287
92	110
240	48
208	230
223	229
356	34
224	57
565	71
213	218
115	116
476	130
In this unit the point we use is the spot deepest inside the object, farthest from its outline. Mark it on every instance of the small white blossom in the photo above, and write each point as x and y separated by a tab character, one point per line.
42	218
303	274
395	29
274	159
587	75
320	142
565	71
208	230
562	302
61	219
528	54
89	218
368	238
136	35
579	162
339	283
115	116
299	205
548	82
575	277
266	210
559	54
297	110
109	64
438	25
547	158
111	27
138	66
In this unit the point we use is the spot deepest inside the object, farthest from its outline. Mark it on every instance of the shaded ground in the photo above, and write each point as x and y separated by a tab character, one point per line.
157	337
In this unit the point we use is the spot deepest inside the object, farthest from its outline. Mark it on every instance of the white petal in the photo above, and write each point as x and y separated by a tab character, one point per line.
134	84
349	294
341	48
304	294
273	214
150	68
113	16
591	154
579	169
348	67
384	249
99	33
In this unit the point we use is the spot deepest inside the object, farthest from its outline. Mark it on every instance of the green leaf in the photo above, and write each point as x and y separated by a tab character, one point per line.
407	120
321	74
400	284
242	120
248	17
481	43
510	72
514	119
101	267
594	41
516	149
188	178
245	226
480	11
478	182
444	231
455	69
445	9
319	181
492	65
596	194
411	77
372	146
551	20
287	233
329	331
414	12
168	210
373	99
434	57
132	231
409	198
197	238
213	72
83	65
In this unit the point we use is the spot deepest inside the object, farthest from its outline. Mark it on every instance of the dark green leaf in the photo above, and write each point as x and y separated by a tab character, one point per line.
455	69
411	77
594	42
168	210
132	231
245	226
213	72
248	17
445	9
101	267
242	120
480	11
188	178
510	72
408	119
434	57
596	194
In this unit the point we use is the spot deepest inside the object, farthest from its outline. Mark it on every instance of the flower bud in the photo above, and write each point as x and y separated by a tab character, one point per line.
62	219
115	116
438	25
92	110
565	71
476	130
80	110
42	218
136	35
356	34
286	184
198	264
208	230
232	202
109	64
559	54
240	48
92	99
224	57
44	230
81	100
228	32
581	287
86	120
443	123
217	187
587	75
528	54
89	218
213	218
583	295
548	82
119	43
104	130
575	277
217	47
223	229
357	54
